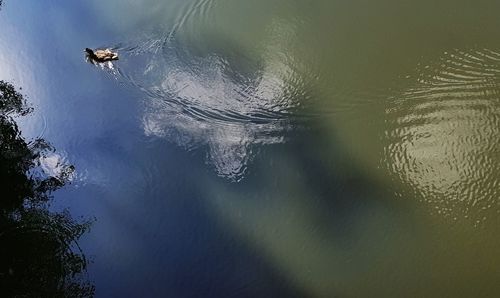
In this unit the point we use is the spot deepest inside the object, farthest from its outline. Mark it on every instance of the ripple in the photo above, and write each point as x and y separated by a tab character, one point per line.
223	100
199	11
443	134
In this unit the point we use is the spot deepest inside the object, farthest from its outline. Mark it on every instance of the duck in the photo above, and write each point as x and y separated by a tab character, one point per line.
101	55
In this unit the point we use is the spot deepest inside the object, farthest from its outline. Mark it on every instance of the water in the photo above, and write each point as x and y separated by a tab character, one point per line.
270	148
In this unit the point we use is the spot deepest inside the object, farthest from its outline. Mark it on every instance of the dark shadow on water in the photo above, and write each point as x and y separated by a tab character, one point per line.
39	255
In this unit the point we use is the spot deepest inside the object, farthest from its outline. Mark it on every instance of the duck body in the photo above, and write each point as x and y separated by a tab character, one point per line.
101	55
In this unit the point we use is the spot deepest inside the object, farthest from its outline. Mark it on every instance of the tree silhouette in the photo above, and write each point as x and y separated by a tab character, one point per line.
39	255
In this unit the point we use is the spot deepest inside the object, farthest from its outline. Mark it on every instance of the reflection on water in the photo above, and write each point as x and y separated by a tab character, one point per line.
444	133
39	255
207	90
210	100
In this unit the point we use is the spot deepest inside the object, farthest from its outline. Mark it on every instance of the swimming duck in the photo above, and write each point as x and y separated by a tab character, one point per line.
101	55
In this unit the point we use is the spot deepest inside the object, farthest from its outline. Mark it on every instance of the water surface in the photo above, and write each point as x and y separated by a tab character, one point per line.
271	148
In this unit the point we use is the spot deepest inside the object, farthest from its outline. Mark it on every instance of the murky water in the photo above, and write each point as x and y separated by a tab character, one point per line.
271	148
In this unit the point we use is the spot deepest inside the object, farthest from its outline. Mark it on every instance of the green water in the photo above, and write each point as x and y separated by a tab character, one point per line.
409	91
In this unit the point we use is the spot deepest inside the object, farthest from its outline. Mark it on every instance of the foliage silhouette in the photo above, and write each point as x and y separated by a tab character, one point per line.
39	255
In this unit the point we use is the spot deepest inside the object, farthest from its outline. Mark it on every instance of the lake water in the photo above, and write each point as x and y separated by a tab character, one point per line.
278	148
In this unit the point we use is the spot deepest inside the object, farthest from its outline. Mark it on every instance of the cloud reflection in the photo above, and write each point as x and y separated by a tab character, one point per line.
444	134
221	101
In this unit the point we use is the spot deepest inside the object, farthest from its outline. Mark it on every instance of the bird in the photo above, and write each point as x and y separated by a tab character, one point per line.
101	55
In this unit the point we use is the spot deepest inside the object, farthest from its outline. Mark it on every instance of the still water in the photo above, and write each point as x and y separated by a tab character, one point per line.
271	148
